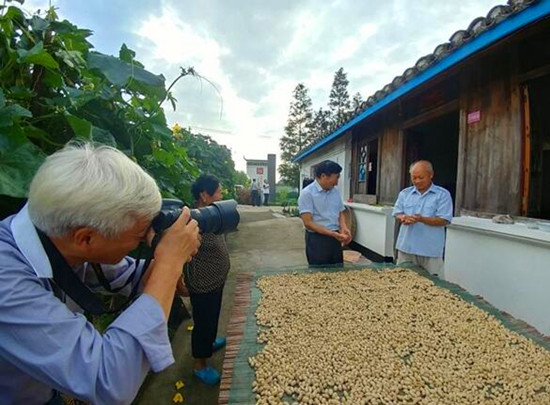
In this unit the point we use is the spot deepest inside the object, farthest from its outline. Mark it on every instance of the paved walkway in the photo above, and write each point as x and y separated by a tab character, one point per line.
265	239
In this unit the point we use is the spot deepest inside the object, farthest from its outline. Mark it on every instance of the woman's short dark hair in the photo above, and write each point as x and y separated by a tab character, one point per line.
205	182
327	167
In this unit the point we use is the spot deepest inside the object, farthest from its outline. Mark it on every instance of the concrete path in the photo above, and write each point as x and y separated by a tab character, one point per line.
265	239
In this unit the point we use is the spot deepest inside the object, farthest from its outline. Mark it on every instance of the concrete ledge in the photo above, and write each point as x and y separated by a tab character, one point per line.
382	210
517	231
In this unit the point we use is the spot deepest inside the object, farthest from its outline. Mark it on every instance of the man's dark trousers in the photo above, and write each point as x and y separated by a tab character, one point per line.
323	250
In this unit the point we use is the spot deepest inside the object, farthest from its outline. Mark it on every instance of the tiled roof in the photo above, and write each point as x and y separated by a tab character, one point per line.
478	26
256	162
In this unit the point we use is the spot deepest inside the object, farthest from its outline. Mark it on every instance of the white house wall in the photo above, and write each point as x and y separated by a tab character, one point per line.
374	228
340	152
506	264
253	172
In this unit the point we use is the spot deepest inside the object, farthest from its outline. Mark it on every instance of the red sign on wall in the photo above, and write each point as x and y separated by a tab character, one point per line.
474	116
259	170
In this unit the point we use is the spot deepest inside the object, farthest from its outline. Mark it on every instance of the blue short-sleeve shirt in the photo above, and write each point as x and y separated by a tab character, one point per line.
324	205
421	239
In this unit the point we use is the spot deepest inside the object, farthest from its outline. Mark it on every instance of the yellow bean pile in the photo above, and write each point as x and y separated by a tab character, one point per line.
389	337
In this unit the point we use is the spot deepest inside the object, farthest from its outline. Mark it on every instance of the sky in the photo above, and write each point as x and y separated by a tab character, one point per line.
256	52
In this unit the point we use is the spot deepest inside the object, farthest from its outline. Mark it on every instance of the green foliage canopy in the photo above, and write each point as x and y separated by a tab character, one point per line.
55	88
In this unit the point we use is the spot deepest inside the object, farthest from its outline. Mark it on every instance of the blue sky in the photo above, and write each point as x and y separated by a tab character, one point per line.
256	52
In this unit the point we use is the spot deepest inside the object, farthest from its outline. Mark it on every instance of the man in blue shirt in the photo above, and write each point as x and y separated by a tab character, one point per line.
321	209
86	205
423	210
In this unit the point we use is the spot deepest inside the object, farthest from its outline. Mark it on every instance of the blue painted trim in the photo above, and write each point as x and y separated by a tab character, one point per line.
498	32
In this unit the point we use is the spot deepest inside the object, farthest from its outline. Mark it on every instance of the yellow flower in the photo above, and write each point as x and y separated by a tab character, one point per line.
176	130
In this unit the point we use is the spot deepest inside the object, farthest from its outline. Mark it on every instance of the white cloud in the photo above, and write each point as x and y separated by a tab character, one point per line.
350	45
178	43
258	54
307	26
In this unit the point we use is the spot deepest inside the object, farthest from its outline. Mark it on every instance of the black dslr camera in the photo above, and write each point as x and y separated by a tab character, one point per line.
218	218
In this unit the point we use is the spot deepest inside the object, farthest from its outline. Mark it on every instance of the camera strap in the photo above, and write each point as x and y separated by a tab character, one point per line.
66	279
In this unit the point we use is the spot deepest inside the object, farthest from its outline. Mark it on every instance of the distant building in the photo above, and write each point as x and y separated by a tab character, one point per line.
261	170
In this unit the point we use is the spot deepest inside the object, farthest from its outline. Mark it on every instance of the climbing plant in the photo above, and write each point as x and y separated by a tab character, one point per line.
54	87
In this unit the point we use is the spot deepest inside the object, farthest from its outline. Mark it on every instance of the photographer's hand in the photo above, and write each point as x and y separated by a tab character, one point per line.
178	244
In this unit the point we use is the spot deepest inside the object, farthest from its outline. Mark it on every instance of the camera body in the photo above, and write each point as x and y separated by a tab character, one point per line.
219	218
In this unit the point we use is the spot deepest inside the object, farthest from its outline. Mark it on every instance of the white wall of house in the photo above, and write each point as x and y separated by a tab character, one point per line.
375	228
509	265
338	151
258	172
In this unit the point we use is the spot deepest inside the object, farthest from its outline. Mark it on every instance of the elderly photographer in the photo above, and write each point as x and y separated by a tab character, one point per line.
86	205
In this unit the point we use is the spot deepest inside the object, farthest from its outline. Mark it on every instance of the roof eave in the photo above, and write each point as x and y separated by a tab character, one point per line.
485	39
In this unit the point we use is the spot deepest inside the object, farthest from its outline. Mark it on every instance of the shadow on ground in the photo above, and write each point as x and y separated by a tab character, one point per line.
265	239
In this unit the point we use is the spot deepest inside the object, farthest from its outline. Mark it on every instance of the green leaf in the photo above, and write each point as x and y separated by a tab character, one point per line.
66	27
126	54
14	13
39	24
37	56
75	42
120	73
53	79
164	157
82	128
102	136
6	22
19	161
6	25
2	99
161	131
11	112
73	59
35	133
21	93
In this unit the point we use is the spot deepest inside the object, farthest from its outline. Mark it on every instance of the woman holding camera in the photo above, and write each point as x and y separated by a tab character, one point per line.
205	278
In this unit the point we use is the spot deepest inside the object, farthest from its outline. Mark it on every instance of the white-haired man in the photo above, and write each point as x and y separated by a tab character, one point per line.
86	205
424	210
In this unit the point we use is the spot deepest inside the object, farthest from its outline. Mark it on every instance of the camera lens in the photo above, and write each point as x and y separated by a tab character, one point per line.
218	218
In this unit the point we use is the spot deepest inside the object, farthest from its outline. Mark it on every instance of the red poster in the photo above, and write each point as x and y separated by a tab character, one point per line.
259	170
474	116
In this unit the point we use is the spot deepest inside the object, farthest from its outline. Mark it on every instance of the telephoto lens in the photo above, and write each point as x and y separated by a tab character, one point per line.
219	218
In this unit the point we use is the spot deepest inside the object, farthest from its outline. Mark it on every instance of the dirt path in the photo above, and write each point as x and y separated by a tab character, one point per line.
265	239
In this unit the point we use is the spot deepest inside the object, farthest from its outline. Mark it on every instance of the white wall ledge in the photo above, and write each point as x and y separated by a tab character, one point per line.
517	231
383	210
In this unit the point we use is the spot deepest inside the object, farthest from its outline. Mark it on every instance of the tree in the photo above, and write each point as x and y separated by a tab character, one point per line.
210	158
339	103
356	101
298	134
241	178
320	124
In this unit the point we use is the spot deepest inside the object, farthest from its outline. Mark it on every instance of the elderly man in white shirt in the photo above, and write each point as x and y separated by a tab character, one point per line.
423	210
